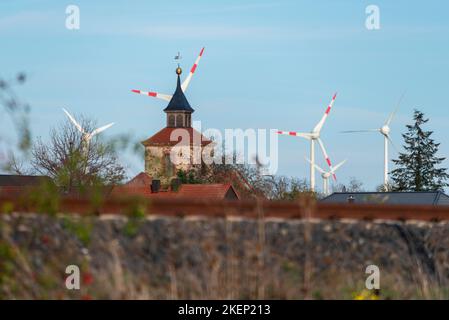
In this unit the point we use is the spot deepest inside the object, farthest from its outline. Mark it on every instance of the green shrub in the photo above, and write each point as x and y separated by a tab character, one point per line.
136	213
82	229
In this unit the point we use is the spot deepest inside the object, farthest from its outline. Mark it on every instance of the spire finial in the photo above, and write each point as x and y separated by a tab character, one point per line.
178	58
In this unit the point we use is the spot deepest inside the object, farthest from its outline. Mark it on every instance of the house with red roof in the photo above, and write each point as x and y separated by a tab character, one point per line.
13	185
144	185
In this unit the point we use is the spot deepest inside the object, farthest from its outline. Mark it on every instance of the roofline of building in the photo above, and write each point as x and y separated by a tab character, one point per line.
383	192
24	175
439	193
203	142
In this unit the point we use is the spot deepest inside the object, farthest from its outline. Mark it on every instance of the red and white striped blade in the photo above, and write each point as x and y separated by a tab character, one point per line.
326	113
326	157
296	134
187	80
162	96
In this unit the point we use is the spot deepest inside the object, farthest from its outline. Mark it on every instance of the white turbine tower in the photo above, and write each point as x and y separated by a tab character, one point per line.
184	84
326	175
313	136
385	131
86	136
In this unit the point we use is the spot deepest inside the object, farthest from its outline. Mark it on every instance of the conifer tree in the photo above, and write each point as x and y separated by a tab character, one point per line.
417	169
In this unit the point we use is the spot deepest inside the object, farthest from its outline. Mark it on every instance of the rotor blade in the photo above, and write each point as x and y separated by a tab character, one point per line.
72	119
162	96
339	165
326	113
391	142
395	110
101	129
315	165
297	134
353	131
187	80
326	157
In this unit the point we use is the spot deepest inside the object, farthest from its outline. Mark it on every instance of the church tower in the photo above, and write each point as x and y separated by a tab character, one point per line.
179	112
158	148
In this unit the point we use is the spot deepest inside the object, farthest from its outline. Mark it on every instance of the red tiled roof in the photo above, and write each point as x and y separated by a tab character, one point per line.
205	191
22	180
143	179
13	190
163	137
15	185
191	191
119	191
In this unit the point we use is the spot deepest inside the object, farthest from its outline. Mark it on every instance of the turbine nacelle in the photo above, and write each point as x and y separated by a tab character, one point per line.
326	175
385	130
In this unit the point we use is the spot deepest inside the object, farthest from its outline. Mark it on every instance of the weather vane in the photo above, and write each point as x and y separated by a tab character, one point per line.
178	57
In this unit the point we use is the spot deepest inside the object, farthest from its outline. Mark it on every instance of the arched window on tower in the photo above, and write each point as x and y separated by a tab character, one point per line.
171	120
179	120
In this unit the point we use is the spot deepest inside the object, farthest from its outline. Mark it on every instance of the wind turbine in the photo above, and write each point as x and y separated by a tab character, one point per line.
86	136
385	131
184	84
326	175
313	136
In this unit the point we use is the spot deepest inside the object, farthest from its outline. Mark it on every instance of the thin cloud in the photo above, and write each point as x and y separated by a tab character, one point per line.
29	19
224	9
188	32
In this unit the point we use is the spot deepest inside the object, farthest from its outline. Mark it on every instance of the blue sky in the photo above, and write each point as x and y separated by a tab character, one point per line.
267	64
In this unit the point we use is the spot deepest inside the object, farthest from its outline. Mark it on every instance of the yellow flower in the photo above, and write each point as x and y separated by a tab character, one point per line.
366	295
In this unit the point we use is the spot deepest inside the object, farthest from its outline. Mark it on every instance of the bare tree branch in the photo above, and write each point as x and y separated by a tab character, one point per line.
66	159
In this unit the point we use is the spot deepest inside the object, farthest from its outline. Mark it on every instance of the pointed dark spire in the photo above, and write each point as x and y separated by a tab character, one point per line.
179	101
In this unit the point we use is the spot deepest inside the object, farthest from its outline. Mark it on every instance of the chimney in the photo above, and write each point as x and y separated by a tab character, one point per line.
175	184
351	198
155	185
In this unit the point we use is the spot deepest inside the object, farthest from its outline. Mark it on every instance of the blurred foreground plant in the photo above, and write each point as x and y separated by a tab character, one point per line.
18	112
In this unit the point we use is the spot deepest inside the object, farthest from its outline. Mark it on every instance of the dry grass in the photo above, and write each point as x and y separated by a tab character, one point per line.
234	264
